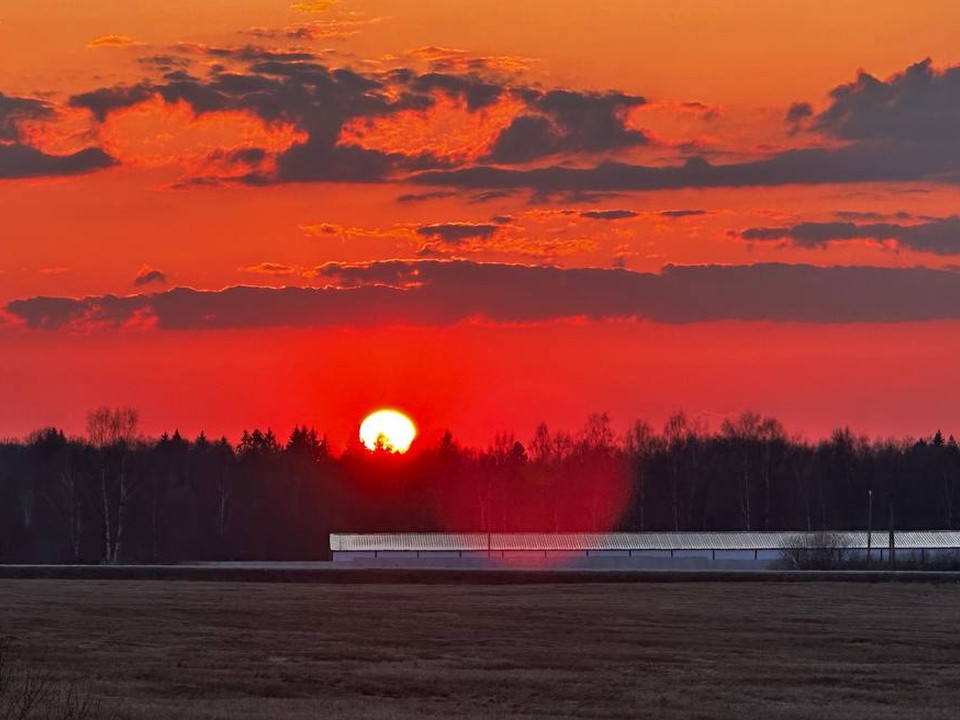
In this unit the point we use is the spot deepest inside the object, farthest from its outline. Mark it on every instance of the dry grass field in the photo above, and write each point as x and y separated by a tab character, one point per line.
163	650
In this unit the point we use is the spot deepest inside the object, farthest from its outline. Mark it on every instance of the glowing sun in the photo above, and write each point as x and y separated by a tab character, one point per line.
388	430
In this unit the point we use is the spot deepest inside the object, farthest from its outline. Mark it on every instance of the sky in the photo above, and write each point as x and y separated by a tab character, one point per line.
248	213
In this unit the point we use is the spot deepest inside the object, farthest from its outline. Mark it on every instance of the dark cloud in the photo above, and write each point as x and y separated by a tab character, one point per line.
682	213
920	105
423	197
566	121
502	219
904	129
149	276
608	214
431	292
455	232
572	197
249	156
18	159
295	87
22	161
319	161
854	163
941	237
859	215
476	92
15	110
488	196
252	53
103	101
798	112
526	138
289	87
592	121
165	62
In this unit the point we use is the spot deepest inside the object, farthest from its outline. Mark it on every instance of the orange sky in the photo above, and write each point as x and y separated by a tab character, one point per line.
223	145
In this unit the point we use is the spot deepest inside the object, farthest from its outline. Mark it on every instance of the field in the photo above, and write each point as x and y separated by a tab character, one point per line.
714	650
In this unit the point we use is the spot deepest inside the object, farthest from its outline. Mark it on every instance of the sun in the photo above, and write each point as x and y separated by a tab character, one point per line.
389	430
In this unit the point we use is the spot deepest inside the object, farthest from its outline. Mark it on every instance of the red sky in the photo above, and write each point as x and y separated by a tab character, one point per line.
498	213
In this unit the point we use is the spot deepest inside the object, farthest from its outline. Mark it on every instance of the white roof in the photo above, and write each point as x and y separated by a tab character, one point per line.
346	542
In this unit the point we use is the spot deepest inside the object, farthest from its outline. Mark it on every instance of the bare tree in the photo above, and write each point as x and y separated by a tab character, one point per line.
819	551
113	429
744	433
541	448
674	435
596	446
772	435
642	444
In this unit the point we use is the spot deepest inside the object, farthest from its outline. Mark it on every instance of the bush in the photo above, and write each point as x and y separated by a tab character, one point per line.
30	694
819	551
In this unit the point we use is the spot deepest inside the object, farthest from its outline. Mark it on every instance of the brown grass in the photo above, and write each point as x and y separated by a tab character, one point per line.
714	650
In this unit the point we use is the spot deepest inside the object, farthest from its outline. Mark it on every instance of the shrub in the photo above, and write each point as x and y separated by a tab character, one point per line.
30	694
819	551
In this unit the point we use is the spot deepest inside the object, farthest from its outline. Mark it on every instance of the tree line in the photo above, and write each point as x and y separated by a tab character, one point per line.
115	496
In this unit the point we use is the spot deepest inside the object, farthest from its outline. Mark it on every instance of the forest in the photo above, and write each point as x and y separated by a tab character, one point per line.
114	495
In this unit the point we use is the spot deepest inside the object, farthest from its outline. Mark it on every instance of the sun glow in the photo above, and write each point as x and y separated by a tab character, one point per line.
388	430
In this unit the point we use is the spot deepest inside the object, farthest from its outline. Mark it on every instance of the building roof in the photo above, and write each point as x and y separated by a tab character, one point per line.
347	542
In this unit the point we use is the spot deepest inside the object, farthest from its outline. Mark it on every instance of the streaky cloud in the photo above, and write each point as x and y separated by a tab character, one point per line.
435	292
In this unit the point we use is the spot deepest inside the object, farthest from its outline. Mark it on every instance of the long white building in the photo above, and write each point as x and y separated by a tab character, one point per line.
642	550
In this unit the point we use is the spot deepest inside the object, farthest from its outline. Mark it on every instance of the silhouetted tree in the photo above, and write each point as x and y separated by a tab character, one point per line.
112	431
114	496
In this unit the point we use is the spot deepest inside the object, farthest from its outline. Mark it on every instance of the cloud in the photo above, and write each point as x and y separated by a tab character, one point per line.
343	232
528	137
565	122
851	164
103	101
872	215
455	232
149	276
919	105
608	214
447	59
319	102
271	268
798	111
113	41
432	292
313	7
488	196
23	161
328	29
940	237
165	62
19	159
423	197
243	156
476	92
906	128
682	213
314	99
14	111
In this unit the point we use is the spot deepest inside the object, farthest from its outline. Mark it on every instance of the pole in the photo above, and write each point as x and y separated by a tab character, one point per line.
869	523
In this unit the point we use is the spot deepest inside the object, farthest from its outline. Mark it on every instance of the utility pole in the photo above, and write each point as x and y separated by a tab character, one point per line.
869	523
